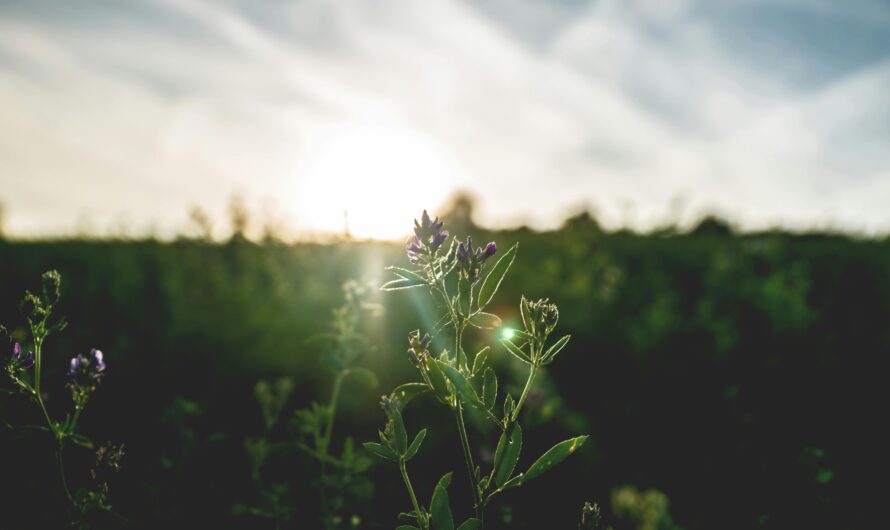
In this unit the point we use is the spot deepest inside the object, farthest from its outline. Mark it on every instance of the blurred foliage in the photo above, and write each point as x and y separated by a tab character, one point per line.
735	373
641	510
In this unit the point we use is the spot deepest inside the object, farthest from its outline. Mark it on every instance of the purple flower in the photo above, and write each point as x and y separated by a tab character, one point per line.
471	260
17	360
428	234
413	249
427	228
437	240
86	371
464	250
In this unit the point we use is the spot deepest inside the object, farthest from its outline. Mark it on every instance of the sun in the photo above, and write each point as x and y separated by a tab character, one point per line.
372	177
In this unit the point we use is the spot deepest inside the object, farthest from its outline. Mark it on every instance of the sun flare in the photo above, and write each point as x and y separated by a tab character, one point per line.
372	178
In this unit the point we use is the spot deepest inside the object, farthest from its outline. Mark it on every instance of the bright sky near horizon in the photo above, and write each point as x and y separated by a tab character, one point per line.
128	113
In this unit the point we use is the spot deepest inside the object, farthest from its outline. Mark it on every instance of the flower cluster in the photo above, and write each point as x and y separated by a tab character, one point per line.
428	235
470	261
539	317
591	517
393	435
418	346
84	373
88	370
17	361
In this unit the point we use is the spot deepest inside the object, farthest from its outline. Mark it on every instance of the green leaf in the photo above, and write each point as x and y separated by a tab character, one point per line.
509	405
408	391
489	388
471	524
555	455
520	337
364	376
479	360
401	283
557	347
440	508
415	445
491	282
516	351
380	450
483	320
81	440
464	389
507	453
526	318
399	434
406	274
437	378
406	527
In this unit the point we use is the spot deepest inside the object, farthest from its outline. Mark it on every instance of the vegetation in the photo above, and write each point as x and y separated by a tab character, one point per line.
734	373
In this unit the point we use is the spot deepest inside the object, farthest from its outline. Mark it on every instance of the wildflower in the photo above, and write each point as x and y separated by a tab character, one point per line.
539	317
428	234
418	346
471	261
414	249
86	371
591	517
417	342
390	404
19	362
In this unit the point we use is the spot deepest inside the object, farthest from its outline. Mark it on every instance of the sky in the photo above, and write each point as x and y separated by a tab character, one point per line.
119	116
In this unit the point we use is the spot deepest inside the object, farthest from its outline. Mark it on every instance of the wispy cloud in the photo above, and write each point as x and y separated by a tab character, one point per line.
147	108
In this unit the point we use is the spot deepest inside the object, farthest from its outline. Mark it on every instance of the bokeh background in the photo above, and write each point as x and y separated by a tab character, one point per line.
700	186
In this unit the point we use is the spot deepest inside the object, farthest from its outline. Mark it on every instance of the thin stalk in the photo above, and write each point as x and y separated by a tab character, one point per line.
332	411
420	517
61	465
528	385
38	350
468	457
324	445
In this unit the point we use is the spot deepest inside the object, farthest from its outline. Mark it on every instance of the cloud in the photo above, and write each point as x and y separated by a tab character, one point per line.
542	105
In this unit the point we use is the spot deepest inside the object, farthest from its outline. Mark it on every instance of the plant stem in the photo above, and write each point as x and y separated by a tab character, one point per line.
332	411
325	442
38	350
62	472
420	518
468	457
528	385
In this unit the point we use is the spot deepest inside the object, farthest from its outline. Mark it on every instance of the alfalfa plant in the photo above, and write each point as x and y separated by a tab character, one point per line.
340	480
25	371
462	286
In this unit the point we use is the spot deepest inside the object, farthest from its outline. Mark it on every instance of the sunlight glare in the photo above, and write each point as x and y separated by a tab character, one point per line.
381	175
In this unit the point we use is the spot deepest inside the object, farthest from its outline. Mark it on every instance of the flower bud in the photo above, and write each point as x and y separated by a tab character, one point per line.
591	518
428	235
52	284
17	361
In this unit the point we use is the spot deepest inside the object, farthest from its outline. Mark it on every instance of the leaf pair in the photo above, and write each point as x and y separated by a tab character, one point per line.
406	280
553	456
530	358
441	517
